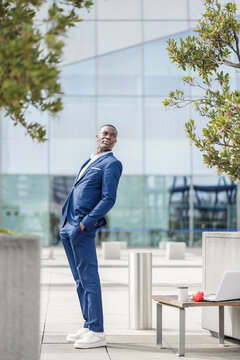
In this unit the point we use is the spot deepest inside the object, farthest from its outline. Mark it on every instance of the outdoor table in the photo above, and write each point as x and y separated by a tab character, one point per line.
172	300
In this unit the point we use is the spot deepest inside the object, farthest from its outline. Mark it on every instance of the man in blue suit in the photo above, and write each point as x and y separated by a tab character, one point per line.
92	196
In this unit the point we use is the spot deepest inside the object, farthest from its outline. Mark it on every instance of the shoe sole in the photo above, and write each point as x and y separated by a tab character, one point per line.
71	341
89	346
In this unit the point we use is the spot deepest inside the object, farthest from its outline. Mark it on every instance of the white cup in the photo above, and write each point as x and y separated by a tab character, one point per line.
183	293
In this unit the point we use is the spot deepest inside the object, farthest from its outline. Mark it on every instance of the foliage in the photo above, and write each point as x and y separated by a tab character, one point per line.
29	56
6	231
216	43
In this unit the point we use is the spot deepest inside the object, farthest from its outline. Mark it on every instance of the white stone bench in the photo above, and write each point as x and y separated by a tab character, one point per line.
175	250
111	249
123	244
162	245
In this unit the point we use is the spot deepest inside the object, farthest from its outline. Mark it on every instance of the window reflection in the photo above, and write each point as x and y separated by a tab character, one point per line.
126	114
72	135
156	208
79	78
161	76
60	188
119	73
25	205
214	204
167	150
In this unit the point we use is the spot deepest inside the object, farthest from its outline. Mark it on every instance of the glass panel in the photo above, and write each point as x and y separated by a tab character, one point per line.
196	9
167	149
179	204
154	30
215	204
126	115
87	14
25	205
198	167
80	43
161	9
19	153
128	34
72	135
127	213
116	9
119	73
79	78
161	76
167	208
157	208
60	188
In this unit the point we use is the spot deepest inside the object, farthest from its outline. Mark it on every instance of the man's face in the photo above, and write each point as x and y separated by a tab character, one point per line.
106	138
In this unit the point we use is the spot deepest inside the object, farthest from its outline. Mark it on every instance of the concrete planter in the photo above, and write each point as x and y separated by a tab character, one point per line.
221	252
20	297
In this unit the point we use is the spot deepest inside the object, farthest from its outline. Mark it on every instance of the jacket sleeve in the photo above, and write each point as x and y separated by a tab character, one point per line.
110	180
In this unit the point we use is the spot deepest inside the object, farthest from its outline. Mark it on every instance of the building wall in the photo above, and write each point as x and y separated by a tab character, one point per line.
116	70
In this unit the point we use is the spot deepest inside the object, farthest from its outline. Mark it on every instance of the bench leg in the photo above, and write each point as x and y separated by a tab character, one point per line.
181	342
221	325
159	325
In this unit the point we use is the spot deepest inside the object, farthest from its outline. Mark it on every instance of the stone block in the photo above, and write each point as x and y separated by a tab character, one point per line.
111	249
162	245
123	244
20	297
175	250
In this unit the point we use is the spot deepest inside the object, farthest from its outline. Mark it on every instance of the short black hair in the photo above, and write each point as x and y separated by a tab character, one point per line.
108	125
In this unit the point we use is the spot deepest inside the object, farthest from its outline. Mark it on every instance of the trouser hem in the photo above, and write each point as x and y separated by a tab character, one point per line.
96	329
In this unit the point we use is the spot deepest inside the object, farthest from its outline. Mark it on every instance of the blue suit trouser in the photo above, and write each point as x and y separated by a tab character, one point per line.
81	253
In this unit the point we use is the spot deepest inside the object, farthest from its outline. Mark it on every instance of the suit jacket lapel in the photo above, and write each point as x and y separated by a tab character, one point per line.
75	181
98	160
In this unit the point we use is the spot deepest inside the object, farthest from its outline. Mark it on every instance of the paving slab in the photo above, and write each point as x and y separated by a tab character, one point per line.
60	311
204	347
137	347
68	352
62	328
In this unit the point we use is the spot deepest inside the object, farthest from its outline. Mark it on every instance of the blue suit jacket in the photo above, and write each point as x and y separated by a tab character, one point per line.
94	194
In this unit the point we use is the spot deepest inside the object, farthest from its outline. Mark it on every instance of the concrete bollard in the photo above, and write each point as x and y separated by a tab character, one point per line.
20	297
175	250
140	290
111	249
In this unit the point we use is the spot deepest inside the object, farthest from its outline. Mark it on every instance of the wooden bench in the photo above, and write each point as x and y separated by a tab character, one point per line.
172	300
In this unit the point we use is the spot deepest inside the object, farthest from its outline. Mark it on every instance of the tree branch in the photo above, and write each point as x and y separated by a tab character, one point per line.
237	44
228	63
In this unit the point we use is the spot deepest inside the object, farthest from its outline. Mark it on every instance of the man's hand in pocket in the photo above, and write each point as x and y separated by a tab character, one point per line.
82	227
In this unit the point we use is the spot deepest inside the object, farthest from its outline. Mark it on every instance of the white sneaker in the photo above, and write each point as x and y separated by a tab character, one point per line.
91	340
78	335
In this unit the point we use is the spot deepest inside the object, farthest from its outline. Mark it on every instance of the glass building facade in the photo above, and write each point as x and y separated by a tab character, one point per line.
116	70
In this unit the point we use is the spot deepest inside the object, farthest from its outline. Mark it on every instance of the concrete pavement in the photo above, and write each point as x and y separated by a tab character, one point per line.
60	311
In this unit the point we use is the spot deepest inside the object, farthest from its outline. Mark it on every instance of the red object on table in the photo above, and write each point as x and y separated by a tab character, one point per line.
198	296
